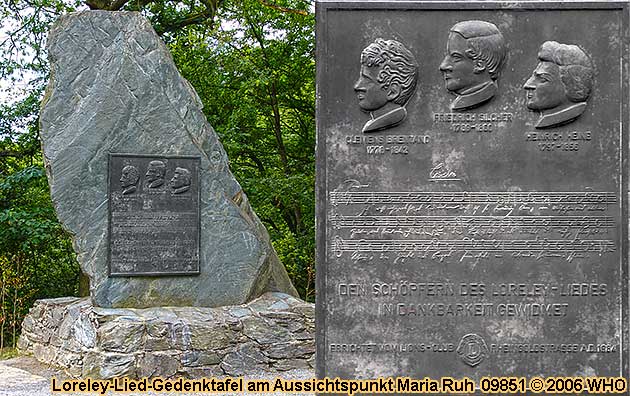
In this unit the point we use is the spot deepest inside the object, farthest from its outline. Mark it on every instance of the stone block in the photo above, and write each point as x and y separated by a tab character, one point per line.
121	335
292	364
109	365
168	341
199	358
158	364
202	372
290	350
246	358
264	331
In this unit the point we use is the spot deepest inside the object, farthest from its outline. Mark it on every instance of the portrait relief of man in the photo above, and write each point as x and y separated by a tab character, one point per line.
180	182
129	179
475	54
560	85
387	80
155	174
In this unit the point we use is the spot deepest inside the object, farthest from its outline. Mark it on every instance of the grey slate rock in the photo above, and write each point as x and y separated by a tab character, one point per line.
115	89
186	341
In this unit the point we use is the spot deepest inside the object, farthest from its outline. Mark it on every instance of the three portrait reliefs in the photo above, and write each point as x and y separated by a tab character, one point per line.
154	215
154	178
476	53
472	206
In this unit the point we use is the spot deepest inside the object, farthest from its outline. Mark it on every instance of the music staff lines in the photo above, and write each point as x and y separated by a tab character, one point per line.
340	221
401	197
480	245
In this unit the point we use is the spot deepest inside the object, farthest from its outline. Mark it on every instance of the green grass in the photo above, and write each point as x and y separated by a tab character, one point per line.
8	353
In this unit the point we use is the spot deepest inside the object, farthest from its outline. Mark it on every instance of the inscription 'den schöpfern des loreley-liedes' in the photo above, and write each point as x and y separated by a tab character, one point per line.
154	215
476	222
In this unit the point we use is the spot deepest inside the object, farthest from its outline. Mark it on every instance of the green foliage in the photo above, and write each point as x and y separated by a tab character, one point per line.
19	140
36	257
256	78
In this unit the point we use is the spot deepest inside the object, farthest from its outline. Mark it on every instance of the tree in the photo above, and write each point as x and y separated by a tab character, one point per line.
252	64
36	257
255	75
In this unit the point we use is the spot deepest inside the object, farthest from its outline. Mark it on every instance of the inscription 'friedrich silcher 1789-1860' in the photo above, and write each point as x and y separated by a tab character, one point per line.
154	215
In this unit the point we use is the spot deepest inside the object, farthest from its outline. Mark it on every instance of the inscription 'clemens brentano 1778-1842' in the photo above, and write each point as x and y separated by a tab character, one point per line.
472	202
154	215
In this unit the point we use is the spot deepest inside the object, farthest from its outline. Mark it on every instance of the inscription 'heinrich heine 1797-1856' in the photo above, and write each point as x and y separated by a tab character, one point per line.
476	224
153	215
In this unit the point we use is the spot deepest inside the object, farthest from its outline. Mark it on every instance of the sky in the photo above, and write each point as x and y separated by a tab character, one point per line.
14	87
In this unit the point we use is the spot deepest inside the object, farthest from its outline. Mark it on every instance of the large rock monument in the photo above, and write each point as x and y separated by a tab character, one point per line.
115	89
183	279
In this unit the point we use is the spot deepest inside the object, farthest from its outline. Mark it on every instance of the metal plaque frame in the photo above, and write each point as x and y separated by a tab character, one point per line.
345	132
191	194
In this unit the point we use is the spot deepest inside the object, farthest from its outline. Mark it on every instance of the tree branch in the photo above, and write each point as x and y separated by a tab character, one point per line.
283	9
97	4
108	5
16	154
117	4
191	19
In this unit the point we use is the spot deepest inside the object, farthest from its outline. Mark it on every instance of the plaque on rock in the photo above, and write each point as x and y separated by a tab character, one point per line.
472	189
153	215
129	97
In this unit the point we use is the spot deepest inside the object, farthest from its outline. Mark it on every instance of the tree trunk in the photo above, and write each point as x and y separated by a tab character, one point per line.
15	302
277	128
3	310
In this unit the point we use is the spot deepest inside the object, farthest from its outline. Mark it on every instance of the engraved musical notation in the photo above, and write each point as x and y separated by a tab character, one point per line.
565	226
338	197
473	226
472	248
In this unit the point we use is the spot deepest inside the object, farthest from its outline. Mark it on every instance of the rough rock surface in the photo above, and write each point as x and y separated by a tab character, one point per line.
25	376
272	333
115	89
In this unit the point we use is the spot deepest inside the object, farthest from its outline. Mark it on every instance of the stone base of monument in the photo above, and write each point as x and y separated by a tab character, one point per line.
272	333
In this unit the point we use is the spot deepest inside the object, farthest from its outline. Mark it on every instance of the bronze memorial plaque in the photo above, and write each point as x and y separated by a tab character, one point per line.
472	189
153	215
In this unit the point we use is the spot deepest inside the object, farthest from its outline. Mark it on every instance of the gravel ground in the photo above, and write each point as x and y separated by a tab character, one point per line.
25	376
